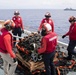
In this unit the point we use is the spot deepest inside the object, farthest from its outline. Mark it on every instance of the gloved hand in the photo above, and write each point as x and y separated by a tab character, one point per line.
14	59
22	31
63	36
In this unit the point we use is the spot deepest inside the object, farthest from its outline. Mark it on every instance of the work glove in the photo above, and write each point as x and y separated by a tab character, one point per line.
63	36
14	60
22	31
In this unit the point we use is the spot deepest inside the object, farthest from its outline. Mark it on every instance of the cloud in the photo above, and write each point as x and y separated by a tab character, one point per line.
28	4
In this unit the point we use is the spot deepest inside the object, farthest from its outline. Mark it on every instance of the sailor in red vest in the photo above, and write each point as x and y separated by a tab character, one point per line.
6	51
19	27
72	38
48	47
47	19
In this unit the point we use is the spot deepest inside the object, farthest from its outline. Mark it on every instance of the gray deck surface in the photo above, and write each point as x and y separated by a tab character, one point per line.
71	73
2	72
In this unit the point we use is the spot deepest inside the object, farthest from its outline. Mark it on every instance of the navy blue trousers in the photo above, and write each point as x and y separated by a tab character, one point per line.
70	48
48	62
16	31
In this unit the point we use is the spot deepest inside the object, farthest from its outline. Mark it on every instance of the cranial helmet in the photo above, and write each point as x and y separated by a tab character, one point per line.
16	12
9	23
47	14
47	26
72	19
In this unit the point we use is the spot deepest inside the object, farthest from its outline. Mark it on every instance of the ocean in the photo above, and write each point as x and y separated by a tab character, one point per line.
32	18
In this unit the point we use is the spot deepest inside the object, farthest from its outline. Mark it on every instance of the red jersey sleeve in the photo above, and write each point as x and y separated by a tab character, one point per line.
52	25
22	26
40	27
43	46
7	41
68	31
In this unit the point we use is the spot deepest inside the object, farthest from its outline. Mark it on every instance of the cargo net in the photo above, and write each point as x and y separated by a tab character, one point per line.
64	66
28	46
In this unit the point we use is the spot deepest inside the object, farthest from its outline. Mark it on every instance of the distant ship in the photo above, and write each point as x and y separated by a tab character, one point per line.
69	9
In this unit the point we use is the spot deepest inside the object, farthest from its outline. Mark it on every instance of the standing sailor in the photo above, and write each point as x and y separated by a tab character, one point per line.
48	47
19	27
72	38
47	19
6	52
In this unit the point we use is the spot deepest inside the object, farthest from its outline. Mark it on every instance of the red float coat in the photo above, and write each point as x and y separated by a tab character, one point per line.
48	43
72	32
6	42
50	21
18	22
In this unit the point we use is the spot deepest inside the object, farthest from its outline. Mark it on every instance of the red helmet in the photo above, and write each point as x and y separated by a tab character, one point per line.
16	12
47	14
72	19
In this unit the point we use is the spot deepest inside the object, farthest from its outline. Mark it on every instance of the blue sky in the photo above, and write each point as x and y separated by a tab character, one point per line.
37	4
